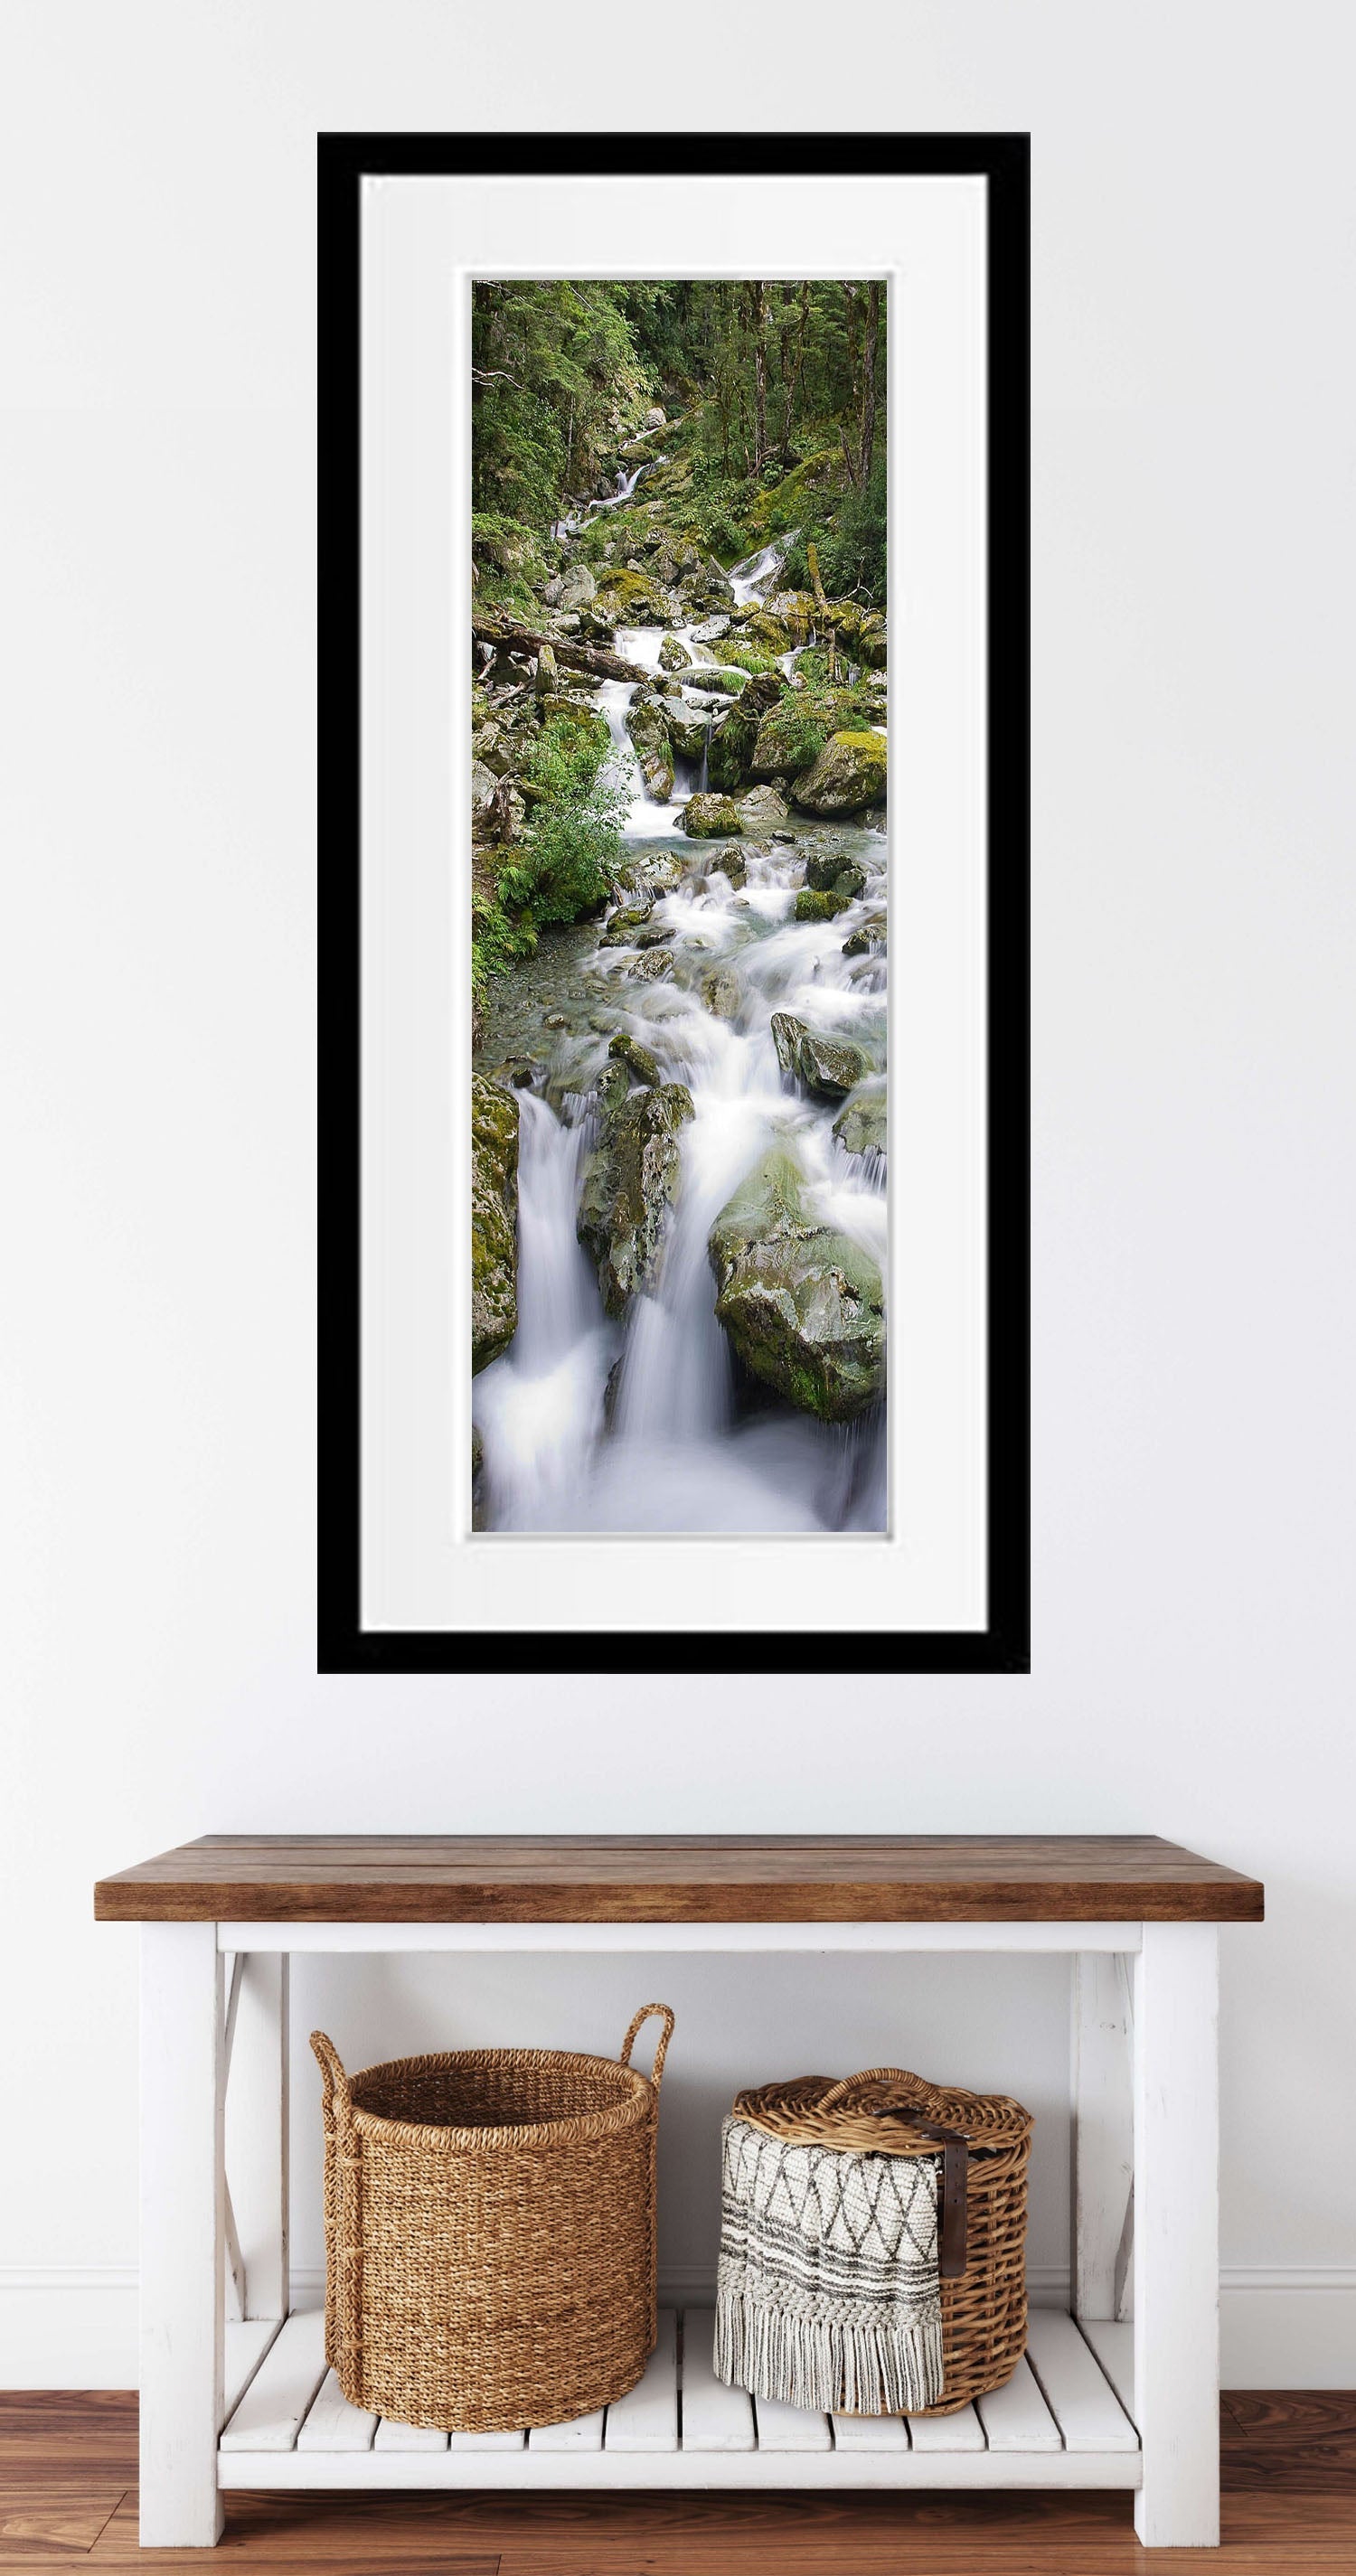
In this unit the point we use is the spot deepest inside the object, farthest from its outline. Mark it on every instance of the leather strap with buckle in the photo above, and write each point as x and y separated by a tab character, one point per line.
955	2178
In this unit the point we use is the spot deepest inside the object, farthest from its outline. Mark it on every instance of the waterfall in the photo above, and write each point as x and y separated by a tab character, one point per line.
591	1425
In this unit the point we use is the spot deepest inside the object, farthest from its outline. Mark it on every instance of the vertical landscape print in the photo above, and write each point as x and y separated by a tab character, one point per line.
678	864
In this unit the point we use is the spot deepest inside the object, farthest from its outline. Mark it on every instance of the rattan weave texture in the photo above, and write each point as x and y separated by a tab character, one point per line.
984	2312
490	2232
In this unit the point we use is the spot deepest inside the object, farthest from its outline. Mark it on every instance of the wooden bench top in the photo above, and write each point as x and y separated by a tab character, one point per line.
677	1878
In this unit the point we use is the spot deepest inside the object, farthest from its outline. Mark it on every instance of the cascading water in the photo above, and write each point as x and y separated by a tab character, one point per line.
592	1425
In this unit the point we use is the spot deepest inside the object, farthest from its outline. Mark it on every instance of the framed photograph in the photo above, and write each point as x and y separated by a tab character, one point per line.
674	903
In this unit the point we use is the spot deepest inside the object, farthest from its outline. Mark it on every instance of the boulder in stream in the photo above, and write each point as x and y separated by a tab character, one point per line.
630	1183
578	589
761	808
494	1220
869	939
703	818
674	656
820	907
828	1067
848	775
730	749
636	1058
860	1125
648	729
721	993
803	1305
688	728
626	921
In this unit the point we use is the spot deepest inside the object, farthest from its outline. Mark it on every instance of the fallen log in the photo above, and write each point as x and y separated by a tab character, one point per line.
512	638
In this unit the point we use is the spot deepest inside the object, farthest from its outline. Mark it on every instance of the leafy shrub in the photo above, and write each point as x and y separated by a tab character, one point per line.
747	657
563	867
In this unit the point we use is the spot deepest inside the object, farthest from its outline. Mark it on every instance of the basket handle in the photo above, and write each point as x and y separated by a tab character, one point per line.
955	2148
662	2050
337	2089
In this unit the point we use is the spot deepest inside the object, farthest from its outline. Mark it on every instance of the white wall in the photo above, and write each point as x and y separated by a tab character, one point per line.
1193	1216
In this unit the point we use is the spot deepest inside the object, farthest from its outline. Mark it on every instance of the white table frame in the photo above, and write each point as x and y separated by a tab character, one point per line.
1144	2095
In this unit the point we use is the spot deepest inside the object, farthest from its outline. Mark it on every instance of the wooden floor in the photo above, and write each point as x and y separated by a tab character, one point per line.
67	2492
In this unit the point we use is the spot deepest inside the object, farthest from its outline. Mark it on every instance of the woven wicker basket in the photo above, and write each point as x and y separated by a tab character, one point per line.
983	2311
490	2232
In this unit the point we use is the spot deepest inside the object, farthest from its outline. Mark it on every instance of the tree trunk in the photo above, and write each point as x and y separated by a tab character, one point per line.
576	657
812	559
758	308
793	388
867	441
854	373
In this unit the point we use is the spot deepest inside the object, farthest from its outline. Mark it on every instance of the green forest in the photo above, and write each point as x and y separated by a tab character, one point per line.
757	412
679	892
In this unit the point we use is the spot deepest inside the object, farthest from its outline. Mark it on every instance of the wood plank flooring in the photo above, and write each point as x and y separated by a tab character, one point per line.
67	2493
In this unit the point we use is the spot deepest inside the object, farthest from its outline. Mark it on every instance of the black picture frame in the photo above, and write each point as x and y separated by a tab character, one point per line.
1003	1645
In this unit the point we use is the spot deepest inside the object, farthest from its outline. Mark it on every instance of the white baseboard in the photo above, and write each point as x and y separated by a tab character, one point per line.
1279	2327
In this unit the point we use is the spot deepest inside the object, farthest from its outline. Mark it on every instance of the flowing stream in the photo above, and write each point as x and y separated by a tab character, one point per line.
590	1425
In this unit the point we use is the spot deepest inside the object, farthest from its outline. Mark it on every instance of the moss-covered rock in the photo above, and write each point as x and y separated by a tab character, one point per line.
647	726
790	738
819	907
828	1067
803	1305
860	1125
626	921
871	639
732	864
730	751
494	1219
848	775
705	817
716	679
636	599
636	1058
652	967
674	656
826	859
630	1183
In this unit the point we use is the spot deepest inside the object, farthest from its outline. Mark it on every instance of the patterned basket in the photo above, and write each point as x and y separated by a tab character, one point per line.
490	2232
888	2112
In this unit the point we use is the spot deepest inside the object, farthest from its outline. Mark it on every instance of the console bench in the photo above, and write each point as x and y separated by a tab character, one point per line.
234	2390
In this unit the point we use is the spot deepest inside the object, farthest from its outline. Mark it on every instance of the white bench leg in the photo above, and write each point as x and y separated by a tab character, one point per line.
1103	2134
1177	2235
256	2130
181	2234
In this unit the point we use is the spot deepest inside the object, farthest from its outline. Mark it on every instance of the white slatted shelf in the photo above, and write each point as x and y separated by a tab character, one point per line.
1084	2405
275	2404
579	2433
247	2341
1016	2418
791	2428
1056	2424
962	2431
334	2425
391	2435
867	2432
715	2418
646	2419
1114	2345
